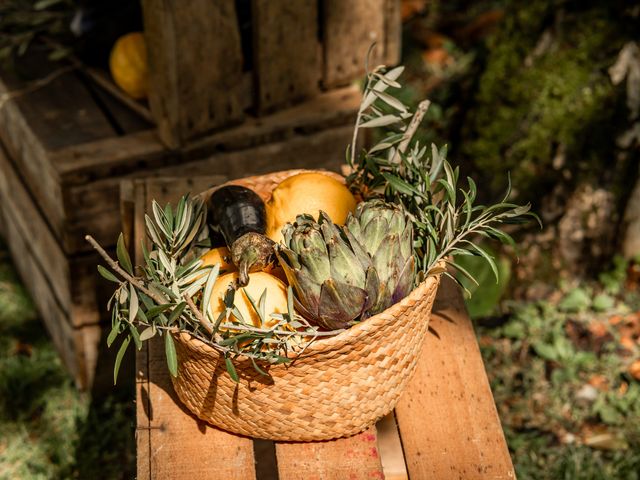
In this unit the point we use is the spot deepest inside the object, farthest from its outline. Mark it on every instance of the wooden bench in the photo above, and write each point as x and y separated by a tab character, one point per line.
445	426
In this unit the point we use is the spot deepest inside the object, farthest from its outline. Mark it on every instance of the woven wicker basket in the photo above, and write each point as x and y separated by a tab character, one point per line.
339	387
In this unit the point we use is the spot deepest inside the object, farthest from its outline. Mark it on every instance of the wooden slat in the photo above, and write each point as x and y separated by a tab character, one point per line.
171	443
320	150
286	54
448	421
349	30
392	32
390	447
77	346
89	174
61	112
123	119
16	200
195	66
117	156
73	280
354	458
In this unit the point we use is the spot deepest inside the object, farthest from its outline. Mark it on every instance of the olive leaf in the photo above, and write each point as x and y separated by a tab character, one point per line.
420	179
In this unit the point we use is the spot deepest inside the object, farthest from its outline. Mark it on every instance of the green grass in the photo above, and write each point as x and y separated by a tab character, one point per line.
540	362
48	430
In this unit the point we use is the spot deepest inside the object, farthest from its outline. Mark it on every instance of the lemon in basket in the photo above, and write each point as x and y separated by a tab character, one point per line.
276	299
307	192
218	256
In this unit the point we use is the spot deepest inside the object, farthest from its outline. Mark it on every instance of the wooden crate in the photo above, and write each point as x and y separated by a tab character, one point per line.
445	425
67	146
287	52
225	106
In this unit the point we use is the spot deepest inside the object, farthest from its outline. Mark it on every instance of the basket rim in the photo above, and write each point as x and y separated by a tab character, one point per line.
322	344
325	344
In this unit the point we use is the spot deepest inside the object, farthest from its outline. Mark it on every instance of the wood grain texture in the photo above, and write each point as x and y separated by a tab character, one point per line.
119	156
448	421
286	53
16	200
195	67
355	458
349	30
62	112
76	188
71	322
392	32
319	150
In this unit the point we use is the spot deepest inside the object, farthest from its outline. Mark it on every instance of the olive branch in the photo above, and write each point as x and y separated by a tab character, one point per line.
172	291
445	218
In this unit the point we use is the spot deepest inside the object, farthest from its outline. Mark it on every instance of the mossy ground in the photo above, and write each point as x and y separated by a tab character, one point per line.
49	430
565	378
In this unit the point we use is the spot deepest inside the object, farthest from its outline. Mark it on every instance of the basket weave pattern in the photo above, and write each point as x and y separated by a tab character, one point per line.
340	385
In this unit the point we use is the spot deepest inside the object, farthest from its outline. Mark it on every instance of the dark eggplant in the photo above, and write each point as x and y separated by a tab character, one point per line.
239	214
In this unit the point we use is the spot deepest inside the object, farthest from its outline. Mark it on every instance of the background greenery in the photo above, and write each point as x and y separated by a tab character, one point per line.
49	430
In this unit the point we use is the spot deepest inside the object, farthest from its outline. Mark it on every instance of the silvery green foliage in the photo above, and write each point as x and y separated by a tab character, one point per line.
397	169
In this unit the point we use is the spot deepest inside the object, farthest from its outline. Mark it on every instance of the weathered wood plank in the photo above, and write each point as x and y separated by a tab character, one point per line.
448	421
89	174
30	156
355	458
286	52
78	299
169	439
77	346
392	32
349	30
390	448
195	66
123	119
118	156
61	112
19	205
100	198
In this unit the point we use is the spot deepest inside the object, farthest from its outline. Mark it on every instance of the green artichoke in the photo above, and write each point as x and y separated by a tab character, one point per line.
344	274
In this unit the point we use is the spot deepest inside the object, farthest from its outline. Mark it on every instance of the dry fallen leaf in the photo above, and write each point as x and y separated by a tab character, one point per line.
634	370
600	382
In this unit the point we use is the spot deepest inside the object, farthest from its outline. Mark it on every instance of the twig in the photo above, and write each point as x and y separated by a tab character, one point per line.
116	268
35	85
423	106
206	324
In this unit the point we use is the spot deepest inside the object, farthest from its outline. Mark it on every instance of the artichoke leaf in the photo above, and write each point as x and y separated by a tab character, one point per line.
345	266
374	233
372	287
340	304
387	260
316	262
405	281
358	249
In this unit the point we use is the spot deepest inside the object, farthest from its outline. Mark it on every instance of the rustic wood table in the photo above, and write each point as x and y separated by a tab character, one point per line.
445	425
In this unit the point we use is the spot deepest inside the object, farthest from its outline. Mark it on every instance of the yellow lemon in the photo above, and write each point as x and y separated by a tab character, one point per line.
128	65
276	300
219	255
307	193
